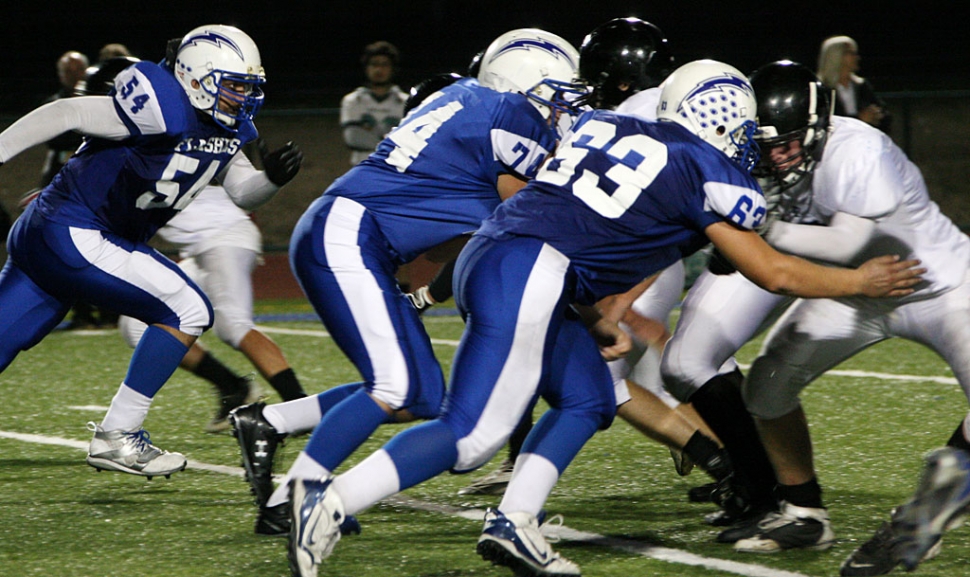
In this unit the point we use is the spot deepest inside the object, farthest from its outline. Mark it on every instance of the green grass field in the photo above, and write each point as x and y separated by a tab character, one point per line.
624	506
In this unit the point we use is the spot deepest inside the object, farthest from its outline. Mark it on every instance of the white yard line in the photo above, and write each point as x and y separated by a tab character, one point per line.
564	532
841	373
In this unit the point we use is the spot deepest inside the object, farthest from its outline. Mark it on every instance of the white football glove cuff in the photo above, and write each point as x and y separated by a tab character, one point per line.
421	298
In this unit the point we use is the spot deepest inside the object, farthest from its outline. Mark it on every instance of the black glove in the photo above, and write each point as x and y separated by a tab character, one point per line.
282	164
719	264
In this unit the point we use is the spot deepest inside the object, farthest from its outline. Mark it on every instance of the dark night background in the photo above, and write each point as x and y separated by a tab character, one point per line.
310	51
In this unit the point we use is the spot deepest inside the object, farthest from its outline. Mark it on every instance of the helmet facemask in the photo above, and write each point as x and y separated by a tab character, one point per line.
793	168
240	106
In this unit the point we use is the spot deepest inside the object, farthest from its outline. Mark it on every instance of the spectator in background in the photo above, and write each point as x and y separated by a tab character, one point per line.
70	70
112	50
369	112
838	63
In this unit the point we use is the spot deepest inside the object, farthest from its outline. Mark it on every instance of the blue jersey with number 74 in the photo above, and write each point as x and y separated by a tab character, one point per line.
624	198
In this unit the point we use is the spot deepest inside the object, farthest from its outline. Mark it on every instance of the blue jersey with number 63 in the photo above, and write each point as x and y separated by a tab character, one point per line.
134	186
624	198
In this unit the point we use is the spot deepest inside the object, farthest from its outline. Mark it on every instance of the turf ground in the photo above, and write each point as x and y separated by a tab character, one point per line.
625	509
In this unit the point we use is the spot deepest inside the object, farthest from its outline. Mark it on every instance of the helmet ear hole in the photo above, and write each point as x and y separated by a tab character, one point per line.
721	130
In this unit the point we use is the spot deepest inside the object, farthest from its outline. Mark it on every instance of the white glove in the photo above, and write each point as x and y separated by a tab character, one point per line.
421	298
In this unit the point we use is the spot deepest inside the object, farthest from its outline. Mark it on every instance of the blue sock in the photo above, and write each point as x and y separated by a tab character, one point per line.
422	452
156	357
344	428
331	397
558	436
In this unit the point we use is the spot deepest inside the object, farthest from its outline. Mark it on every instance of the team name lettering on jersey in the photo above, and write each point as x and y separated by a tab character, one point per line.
213	144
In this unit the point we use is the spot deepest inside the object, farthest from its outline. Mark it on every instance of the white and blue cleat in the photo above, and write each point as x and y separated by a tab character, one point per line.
515	541
316	517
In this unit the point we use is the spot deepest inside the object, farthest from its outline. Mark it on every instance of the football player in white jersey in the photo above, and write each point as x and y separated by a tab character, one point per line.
431	182
644	194
150	148
834	170
219	247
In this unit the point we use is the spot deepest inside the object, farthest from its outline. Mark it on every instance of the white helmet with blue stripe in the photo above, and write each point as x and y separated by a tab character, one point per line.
716	102
533	62
218	63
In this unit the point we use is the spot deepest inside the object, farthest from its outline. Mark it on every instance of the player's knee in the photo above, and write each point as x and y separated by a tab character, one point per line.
131	330
770	392
478	446
679	378
231	330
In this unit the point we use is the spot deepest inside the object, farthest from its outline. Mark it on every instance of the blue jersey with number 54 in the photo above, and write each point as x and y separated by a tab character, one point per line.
624	198
134	186
433	177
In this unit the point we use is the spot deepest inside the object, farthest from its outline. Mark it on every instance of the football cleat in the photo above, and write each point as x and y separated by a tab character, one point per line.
701	493
876	556
683	464
275	522
315	521
515	541
246	393
939	504
131	452
493	483
791	528
258	441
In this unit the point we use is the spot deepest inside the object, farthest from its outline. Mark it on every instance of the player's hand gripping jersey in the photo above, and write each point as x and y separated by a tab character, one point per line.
624	198
433	178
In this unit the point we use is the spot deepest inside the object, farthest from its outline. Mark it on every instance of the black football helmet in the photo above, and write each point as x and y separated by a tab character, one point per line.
622	57
99	79
420	91
793	105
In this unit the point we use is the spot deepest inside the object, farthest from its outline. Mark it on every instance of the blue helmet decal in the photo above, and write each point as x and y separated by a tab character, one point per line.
715	99
527	43
216	39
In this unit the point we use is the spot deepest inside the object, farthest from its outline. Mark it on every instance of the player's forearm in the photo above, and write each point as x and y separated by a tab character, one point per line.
93	115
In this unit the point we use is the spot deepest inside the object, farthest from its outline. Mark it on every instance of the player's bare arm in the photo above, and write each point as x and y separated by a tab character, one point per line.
885	276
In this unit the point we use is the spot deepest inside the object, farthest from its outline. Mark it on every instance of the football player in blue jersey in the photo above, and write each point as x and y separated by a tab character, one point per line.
622	199
150	147
430	183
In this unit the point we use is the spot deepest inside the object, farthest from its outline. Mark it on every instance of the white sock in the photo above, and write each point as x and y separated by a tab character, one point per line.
533	478
303	468
372	480
127	411
294	416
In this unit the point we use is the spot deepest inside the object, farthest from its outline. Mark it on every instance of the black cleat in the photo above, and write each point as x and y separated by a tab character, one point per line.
274	521
258	441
